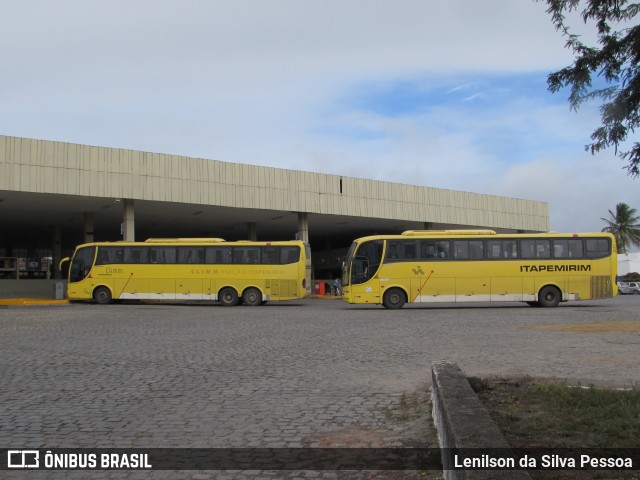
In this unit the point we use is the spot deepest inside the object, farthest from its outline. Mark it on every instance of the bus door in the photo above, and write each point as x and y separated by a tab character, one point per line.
365	286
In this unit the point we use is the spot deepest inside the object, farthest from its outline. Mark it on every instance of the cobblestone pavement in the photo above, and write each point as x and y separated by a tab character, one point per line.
317	373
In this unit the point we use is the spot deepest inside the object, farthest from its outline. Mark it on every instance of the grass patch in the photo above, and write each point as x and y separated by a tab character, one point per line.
556	415
533	414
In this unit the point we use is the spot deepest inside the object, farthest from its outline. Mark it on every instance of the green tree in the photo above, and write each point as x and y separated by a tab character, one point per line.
615	61
624	226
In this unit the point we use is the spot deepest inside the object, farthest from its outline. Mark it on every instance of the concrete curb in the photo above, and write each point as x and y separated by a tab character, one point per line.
463	422
23	302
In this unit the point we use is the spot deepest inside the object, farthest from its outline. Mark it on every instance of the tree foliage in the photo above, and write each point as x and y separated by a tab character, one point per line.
615	61
624	226
631	277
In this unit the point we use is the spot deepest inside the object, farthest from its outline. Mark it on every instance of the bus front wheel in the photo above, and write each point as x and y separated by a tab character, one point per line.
102	295
252	297
228	297
549	297
394	298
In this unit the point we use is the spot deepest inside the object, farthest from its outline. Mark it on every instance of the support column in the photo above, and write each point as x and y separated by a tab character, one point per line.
252	232
57	251
303	227
88	227
128	221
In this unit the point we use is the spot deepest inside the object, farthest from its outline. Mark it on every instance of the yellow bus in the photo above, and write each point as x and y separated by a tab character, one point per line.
479	266
187	269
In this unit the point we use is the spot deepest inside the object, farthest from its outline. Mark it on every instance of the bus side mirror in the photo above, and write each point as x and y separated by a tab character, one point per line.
63	266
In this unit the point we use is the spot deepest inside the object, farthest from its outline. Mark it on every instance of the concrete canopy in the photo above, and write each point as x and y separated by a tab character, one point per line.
46	184
29	218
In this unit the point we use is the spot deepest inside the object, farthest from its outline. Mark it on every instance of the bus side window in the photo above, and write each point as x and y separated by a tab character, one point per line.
218	255
409	251
191	255
476	249
271	255
103	256
290	255
598	247
468	249
494	249
135	255
393	250
575	248
109	255
246	255
442	247
560	249
428	249
402	250
162	255
543	249
253	255
510	249
535	248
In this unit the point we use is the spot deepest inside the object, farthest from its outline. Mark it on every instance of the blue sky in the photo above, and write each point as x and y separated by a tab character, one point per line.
482	105
443	94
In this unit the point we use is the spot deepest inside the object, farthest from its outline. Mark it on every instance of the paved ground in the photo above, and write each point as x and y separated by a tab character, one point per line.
317	373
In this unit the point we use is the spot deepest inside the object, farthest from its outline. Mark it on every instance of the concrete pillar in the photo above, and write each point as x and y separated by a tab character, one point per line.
88	227
252	232
57	251
128	221
303	227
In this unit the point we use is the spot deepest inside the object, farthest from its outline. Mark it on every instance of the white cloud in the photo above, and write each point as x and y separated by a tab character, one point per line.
252	81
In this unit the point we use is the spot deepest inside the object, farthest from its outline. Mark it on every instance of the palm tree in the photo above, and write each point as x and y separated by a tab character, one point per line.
624	226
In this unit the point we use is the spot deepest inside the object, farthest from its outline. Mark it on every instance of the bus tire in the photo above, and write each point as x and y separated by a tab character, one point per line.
394	298
102	296
549	296
252	297
228	297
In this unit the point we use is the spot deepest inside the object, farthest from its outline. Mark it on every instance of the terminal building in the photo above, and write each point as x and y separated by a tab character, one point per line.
56	195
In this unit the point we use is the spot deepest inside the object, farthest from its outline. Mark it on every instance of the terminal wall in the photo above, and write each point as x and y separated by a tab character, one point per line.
42	166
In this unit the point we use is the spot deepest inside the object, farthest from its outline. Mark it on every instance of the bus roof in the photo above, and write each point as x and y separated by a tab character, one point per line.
427	233
191	241
446	234
184	240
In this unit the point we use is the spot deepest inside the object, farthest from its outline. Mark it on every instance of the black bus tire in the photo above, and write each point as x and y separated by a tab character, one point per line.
394	298
102	296
252	297
228	297
549	296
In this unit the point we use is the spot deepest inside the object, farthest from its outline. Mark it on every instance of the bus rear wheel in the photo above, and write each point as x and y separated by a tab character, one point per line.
252	297
549	297
102	296
228	297
394	298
